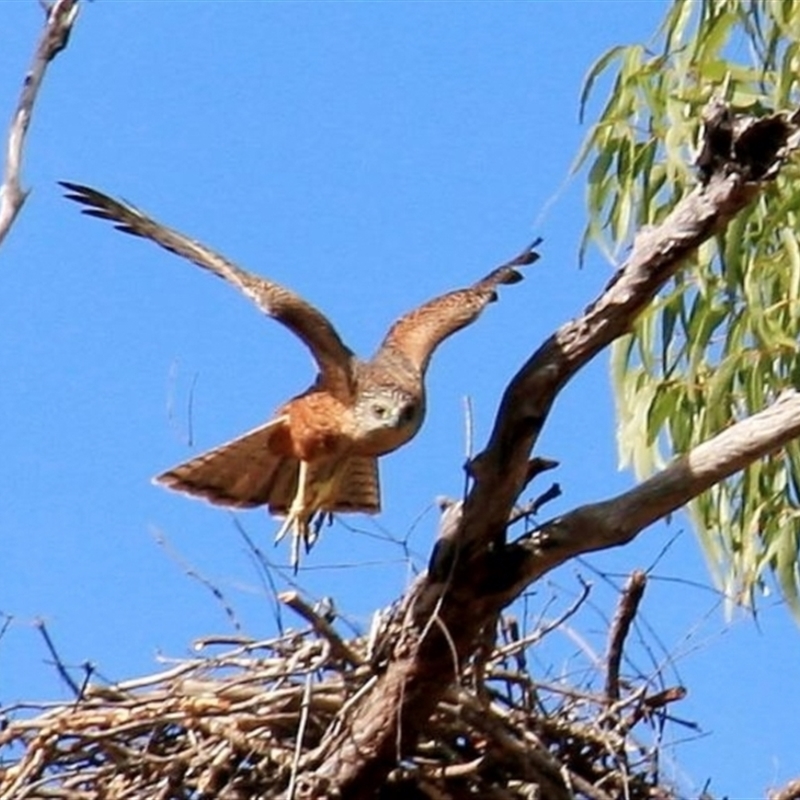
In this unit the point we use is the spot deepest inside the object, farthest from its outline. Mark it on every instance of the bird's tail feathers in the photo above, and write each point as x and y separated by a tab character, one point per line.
357	487
246	473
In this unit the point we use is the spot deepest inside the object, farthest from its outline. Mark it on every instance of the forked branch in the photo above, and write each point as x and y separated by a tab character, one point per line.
618	520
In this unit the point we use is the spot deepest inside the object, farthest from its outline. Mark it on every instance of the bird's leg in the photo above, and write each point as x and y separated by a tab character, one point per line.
297	518
284	529
315	527
295	559
298	504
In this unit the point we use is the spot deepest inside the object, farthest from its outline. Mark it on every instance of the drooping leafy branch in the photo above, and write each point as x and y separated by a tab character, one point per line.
721	340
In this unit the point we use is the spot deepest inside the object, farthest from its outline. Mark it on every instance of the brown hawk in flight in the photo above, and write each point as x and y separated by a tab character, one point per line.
318	454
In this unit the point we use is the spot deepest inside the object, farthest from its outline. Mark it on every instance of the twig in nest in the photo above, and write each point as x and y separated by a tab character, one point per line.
338	647
57	662
242	722
264	568
306	704
540	632
511	635
61	17
653	703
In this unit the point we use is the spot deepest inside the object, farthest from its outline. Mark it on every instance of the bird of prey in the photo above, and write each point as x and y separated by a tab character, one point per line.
318	454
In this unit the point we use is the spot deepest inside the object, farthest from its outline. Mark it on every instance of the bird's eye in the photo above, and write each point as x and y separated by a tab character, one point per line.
380	411
408	414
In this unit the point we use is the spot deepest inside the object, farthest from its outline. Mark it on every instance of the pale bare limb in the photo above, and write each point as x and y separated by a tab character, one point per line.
338	648
618	520
61	16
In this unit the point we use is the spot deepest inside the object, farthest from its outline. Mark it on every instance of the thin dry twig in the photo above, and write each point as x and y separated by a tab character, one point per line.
57	662
523	642
338	647
61	16
623	619
301	729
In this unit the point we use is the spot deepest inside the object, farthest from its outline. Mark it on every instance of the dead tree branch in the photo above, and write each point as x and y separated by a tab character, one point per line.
474	573
620	626
61	16
338	648
617	521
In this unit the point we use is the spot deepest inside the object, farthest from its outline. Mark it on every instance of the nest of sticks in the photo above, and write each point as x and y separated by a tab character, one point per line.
246	719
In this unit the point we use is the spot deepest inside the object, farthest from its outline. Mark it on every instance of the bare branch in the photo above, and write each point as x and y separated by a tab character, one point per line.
626	610
61	16
338	648
657	254
616	521
59	664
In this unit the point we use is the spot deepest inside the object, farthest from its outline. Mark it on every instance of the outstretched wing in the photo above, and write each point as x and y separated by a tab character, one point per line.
417	334
243	473
310	325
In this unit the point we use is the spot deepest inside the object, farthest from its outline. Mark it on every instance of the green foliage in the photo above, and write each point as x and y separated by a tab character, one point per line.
721	342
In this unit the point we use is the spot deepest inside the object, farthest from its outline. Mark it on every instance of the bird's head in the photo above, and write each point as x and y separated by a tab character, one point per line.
386	417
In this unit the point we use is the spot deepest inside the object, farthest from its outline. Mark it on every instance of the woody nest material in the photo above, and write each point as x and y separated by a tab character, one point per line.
250	721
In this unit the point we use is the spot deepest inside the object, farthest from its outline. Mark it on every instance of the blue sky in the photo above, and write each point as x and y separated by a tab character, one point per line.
370	156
